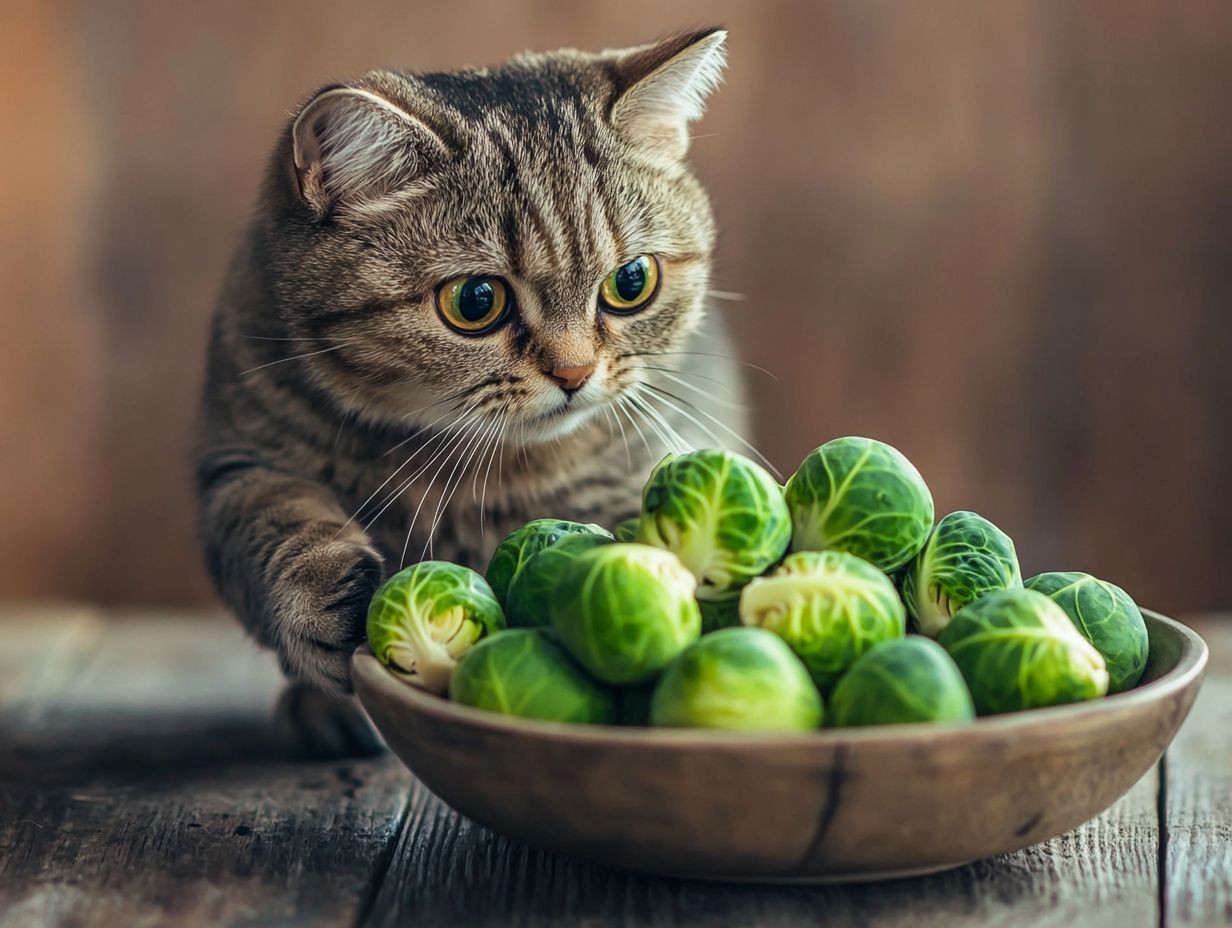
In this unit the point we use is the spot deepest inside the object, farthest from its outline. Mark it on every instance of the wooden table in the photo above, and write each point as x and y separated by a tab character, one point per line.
140	784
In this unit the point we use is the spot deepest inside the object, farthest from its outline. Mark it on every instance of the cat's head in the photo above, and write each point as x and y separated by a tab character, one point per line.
510	243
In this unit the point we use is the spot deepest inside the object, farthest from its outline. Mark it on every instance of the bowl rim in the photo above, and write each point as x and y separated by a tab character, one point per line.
1189	667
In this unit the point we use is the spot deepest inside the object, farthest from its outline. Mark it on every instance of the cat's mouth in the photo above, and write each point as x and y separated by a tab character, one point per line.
561	419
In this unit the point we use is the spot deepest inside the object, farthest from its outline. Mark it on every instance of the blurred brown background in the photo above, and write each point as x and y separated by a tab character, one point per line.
995	235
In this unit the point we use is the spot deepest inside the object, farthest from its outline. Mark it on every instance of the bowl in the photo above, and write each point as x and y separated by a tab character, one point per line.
831	805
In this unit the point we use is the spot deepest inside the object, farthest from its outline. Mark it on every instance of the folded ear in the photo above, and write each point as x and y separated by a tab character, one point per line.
351	144
663	87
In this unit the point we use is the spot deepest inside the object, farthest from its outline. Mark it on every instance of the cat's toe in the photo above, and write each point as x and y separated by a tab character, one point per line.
320	725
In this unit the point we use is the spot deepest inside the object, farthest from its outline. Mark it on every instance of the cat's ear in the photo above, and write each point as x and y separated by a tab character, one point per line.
663	87
349	144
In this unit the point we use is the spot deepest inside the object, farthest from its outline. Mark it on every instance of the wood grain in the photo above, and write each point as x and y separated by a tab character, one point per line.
447	871
1198	838
140	784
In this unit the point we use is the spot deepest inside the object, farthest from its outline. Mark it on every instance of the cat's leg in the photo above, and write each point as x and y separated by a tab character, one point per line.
299	578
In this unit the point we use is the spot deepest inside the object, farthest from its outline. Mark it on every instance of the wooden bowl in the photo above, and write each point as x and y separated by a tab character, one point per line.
854	804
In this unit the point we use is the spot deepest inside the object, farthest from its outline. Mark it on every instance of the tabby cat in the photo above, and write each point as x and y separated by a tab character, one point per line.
467	299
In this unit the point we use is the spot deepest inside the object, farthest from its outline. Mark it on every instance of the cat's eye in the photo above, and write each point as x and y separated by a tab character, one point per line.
473	305
631	286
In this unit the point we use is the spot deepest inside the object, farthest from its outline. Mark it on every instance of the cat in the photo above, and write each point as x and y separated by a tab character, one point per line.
467	299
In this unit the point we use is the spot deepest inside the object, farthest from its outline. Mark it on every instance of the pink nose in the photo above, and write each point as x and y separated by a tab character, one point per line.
571	378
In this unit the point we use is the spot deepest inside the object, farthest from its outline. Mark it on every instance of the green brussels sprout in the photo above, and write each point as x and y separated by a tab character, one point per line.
719	613
524	543
1018	650
830	607
965	557
627	530
863	497
1107	618
526	605
522	672
624	611
720	513
423	619
908	679
737	678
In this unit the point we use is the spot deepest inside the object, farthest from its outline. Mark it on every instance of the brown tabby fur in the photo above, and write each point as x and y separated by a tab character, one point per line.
347	431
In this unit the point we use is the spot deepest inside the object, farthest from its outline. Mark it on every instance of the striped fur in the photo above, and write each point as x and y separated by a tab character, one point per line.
347	431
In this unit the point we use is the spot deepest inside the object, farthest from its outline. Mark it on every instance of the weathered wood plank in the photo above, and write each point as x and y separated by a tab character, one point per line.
448	871
1198	831
141	784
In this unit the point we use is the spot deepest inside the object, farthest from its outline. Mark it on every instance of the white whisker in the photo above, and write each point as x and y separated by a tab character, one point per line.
625	407
294	357
483	495
452	442
362	506
451	485
663	372
678	443
663	395
423	498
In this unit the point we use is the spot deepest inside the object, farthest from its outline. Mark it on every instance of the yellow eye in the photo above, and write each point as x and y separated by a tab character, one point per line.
473	305
631	286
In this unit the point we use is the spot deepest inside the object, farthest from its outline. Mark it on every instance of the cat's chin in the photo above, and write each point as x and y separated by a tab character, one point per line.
557	423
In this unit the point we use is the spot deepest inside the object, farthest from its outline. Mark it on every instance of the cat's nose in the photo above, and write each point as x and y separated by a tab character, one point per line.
570	379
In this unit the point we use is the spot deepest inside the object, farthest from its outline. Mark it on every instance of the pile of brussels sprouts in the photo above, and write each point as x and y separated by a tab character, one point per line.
733	602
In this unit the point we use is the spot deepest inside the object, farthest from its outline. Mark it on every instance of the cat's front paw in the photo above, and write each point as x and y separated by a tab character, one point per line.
321	607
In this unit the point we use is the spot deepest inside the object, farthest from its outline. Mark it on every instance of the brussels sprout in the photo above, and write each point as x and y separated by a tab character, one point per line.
719	613
965	557
424	618
863	497
908	679
1107	618
627	530
1018	650
524	543
830	607
624	611
526	605
721	514
522	672
737	678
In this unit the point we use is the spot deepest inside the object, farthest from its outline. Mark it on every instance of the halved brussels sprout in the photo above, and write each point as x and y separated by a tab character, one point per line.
1018	650
526	605
965	557
423	619
737	678
522	672
908	679
830	607
626	530
624	611
524	543
720	513
860	496
1106	616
